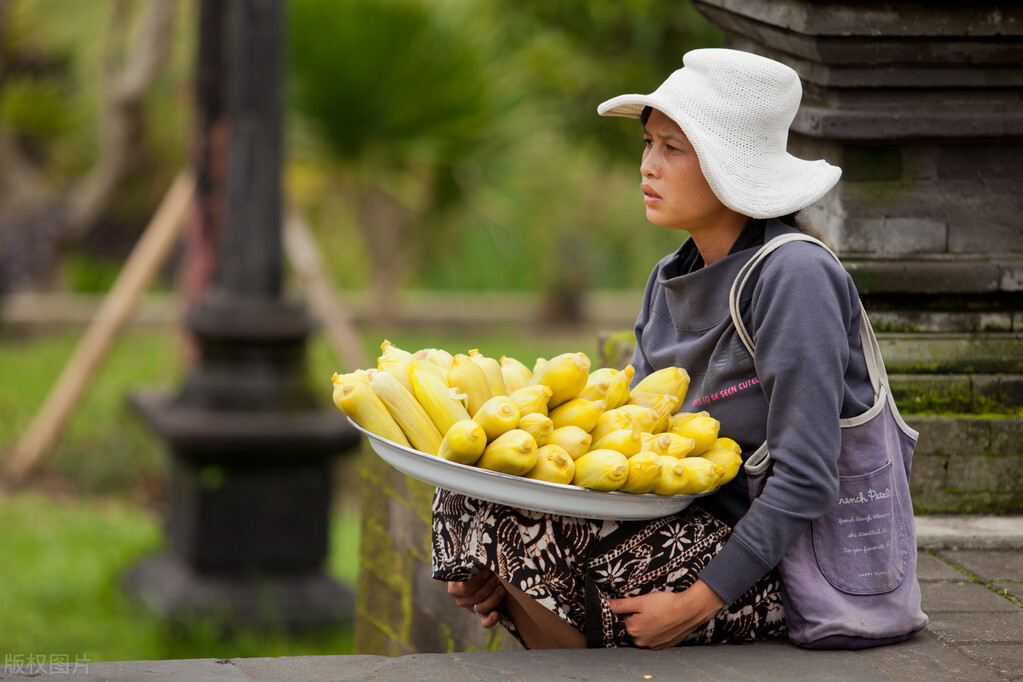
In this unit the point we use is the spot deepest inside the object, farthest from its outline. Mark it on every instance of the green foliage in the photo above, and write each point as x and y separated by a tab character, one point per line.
386	83
547	192
35	108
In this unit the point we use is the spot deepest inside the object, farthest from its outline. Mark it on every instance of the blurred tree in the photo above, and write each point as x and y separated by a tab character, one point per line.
44	215
578	53
402	101
491	101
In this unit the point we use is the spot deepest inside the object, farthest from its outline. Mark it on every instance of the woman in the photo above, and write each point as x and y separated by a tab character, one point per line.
714	165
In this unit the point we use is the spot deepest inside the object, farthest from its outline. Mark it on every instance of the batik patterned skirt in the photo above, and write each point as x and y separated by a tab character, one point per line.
572	566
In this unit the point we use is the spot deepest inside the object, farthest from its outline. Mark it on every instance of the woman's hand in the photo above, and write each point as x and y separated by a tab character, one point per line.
662	619
480	594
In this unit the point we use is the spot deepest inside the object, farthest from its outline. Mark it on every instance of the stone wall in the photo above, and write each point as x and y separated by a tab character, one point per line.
399	608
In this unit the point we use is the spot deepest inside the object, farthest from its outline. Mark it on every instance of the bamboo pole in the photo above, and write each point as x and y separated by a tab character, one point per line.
145	259
325	304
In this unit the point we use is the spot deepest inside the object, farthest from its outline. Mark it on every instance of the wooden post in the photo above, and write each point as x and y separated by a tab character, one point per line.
146	258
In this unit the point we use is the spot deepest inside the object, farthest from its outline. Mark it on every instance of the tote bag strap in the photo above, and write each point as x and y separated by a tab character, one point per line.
759	460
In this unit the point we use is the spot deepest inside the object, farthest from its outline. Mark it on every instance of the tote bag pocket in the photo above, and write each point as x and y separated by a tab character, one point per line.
861	545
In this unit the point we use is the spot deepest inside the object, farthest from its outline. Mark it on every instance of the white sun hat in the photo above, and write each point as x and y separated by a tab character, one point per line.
736	108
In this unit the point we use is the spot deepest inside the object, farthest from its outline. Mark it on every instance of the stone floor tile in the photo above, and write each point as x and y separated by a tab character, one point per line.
960	597
1006	659
931	568
977	628
988	565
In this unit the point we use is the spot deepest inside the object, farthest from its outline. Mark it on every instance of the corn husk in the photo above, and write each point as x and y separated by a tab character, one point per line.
513	452
464	442
553	464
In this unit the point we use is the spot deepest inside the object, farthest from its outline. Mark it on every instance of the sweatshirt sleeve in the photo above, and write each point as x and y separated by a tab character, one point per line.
803	309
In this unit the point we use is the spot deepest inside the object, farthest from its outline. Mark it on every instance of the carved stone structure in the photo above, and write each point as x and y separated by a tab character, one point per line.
921	104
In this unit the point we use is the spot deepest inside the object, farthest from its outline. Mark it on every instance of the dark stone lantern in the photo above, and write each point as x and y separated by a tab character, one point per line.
251	444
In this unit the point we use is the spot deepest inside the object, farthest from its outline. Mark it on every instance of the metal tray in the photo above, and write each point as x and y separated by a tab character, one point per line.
525	493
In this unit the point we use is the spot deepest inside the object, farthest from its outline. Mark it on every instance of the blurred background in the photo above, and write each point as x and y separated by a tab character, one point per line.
448	161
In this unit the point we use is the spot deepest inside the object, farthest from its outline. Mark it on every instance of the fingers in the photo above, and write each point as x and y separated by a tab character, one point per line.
480	594
490	602
625	605
489	620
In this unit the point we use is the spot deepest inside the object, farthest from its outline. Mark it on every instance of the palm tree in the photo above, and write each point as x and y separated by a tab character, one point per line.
399	98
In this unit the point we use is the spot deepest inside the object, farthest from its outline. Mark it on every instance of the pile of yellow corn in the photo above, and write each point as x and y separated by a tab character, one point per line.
557	422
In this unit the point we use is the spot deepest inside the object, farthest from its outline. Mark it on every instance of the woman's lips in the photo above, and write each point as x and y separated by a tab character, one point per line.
650	197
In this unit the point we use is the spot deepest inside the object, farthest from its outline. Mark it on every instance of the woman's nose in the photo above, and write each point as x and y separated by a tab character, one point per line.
648	166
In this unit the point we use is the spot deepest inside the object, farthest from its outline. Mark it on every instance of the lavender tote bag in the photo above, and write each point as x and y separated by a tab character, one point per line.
849	581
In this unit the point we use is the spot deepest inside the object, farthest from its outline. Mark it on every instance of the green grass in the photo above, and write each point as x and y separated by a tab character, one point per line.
60	567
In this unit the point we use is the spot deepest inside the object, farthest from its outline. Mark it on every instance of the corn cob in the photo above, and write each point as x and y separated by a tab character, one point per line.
701	475
435	396
359	376
657	443
533	398
577	412
663	404
426	365
538	426
492	370
362	405
728	444
413	419
467	376
672	479
437	356
463	443
680	446
595	389
644	472
612	420
566	374
498	415
671	380
395	361
729	459
618	384
601	470
553	464
513	452
626	441
515	374
573	439
644	418
700	426
338	381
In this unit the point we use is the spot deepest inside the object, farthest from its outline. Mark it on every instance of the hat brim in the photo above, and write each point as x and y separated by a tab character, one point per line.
759	186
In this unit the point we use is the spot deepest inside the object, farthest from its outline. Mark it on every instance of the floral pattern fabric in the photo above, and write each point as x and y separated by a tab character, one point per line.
572	566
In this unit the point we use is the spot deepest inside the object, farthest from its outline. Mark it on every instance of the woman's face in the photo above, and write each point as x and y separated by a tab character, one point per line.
675	191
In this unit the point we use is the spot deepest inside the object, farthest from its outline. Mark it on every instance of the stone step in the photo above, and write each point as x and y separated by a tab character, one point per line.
957	393
982	353
967	464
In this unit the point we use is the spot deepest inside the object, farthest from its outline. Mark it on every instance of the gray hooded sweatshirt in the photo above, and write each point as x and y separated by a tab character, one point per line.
803	312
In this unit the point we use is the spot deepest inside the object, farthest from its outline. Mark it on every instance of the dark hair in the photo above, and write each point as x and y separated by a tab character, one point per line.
791	219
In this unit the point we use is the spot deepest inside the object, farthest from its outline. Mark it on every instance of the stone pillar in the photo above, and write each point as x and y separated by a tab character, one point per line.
921	104
251	443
